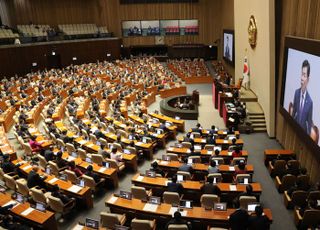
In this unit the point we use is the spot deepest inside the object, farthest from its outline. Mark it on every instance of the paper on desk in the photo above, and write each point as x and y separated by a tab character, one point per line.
203	140
233	188
82	142
113	199
150	207
102	169
170	149
139	143
168	181
164	162
209	152
139	178
225	141
74	188
27	211
90	145
53	180
231	168
27	167
70	158
9	203
78	227
174	209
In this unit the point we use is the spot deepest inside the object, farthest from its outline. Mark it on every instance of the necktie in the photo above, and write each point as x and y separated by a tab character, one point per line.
301	106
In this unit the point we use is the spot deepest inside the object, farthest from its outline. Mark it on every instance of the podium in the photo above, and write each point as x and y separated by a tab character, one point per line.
195	97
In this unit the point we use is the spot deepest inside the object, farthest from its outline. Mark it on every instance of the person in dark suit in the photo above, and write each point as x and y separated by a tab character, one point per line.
211	140
34	178
185	167
174	186
7	166
178	220
59	161
56	193
48	154
155	168
227	50
90	173
210	188
302	103
238	220
258	221
197	129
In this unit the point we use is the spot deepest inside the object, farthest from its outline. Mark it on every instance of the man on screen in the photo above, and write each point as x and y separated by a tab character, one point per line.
227	50
302	104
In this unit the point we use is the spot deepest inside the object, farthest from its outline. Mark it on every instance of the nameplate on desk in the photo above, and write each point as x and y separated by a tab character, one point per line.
139	143
170	149
140	178
78	227
150	207
113	200
231	168
82	142
53	180
233	188
102	169
27	211
74	188
27	167
174	209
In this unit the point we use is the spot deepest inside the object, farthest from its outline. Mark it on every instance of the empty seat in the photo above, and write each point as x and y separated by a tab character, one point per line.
285	183
109	220
137	224
140	193
208	200
171	198
245	200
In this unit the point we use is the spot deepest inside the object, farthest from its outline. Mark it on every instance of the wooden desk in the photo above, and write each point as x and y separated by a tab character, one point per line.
38	219
164	93
224	143
163	212
270	154
6	118
221	133
84	194
199	80
163	118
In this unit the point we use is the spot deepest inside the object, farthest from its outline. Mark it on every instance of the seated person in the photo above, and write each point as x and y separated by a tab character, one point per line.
241	168
187	138
217	152
7	166
35	146
174	186
103	152
65	137
311	205
34	178
56	193
178	220
61	163
213	167
155	168
185	167
48	154
115	156
248	192
90	173
238	220
210	188
259	220
237	152
198	129
72	167
210	139
213	129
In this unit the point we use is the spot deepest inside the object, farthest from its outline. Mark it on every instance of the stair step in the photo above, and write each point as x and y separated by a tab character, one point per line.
254	125
259	130
259	120
255	114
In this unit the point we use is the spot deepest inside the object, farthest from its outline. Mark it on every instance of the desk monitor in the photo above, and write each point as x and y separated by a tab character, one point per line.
92	223
81	183
131	137
74	154
106	164
252	206
178	145
217	162
20	198
88	160
217	147
191	136
126	195
144	140
98	143
48	170
220	206
154	200
177	118
230	137
197	147
63	176
40	206
180	178
244	181
121	227
166	158
186	203
190	161
150	173
168	124
159	131
127	151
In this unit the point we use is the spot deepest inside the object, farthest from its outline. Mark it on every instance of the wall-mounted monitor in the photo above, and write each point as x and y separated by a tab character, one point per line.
150	28
300	101
169	27
131	28
189	27
228	46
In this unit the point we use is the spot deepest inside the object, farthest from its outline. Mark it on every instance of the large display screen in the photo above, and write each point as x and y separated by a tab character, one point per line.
228	46
301	87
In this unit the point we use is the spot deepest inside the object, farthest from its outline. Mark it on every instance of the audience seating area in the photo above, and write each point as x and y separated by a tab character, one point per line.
79	29
33	30
7	34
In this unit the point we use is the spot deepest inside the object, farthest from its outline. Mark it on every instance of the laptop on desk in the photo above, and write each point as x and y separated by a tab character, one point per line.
251	207
220	206
92	223
40	206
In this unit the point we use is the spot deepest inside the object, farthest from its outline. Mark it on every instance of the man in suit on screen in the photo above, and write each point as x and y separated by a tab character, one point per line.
302	104
227	49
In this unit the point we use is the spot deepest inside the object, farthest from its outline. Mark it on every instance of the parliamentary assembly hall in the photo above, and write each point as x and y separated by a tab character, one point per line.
159	114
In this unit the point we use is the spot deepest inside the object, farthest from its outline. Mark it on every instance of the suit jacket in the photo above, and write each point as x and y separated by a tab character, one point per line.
303	118
259	223
239	220
175	187
34	180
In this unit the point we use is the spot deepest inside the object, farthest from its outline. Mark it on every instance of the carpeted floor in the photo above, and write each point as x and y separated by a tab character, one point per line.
254	143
